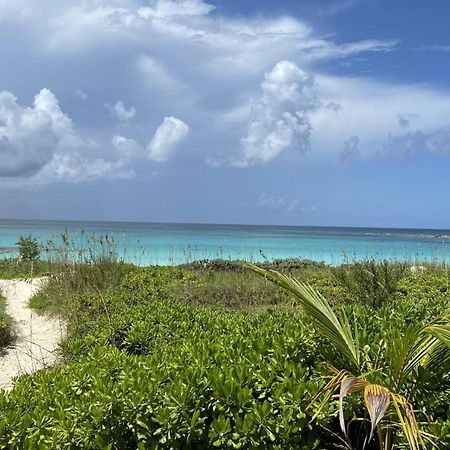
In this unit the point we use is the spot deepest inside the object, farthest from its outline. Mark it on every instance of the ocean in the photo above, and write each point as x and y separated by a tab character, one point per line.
173	243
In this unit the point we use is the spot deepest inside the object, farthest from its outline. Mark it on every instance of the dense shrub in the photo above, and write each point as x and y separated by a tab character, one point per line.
7	333
215	265
153	360
370	282
29	248
425	296
17	268
292	264
209	378
224	265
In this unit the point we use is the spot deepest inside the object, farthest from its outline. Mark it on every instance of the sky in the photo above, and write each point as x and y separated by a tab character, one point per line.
294	112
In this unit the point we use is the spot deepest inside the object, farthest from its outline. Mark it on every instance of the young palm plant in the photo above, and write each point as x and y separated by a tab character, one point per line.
387	381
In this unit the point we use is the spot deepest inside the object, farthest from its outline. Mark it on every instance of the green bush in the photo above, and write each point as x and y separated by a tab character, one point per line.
7	333
29	248
370	282
153	360
158	374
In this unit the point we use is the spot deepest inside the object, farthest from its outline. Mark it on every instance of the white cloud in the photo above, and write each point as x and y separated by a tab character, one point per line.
120	112
195	61
127	148
279	118
168	8
29	136
161	148
350	152
361	102
157	75
39	145
188	59
187	28
75	168
322	49
167	138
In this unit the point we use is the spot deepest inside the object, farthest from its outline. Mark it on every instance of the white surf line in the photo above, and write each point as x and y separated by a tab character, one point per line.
37	336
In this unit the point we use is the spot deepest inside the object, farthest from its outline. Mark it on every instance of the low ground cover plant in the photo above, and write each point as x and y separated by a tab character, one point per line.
412	353
168	357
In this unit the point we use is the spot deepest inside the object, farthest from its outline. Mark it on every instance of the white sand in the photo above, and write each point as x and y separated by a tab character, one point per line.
37	336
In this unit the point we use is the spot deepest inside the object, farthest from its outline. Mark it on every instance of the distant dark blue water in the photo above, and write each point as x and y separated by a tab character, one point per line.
168	243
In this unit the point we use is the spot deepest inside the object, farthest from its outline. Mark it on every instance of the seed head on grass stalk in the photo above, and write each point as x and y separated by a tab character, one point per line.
390	410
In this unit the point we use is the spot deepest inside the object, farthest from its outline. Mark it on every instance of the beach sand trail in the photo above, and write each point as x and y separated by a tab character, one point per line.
37	336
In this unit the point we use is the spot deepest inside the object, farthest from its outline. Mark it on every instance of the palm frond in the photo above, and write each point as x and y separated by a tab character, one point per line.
410	351
328	390
377	400
440	329
432	347
408	422
334	328
348	386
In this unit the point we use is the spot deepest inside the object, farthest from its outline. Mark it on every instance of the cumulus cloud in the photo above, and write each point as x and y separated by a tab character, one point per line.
183	55
39	144
166	139
350	152
279	118
156	73
271	203
186	58
121	113
127	148
188	28
76	168
29	136
162	146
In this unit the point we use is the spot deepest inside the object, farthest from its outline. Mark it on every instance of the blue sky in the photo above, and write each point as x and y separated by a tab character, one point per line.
312	112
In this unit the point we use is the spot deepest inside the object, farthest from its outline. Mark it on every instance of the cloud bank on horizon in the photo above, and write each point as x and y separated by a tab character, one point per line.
121	88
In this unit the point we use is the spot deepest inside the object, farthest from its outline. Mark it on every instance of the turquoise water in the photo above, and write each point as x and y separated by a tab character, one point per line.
158	243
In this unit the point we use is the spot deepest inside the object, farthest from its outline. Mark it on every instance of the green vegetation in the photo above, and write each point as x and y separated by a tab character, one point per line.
17	268
391	374
6	325
212	355
29	248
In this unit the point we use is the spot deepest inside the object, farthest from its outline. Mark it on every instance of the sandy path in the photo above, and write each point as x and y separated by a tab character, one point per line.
37	336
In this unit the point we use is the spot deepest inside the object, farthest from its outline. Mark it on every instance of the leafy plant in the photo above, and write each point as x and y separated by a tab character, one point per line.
179	357
153	373
29	248
7	332
387	378
370	282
